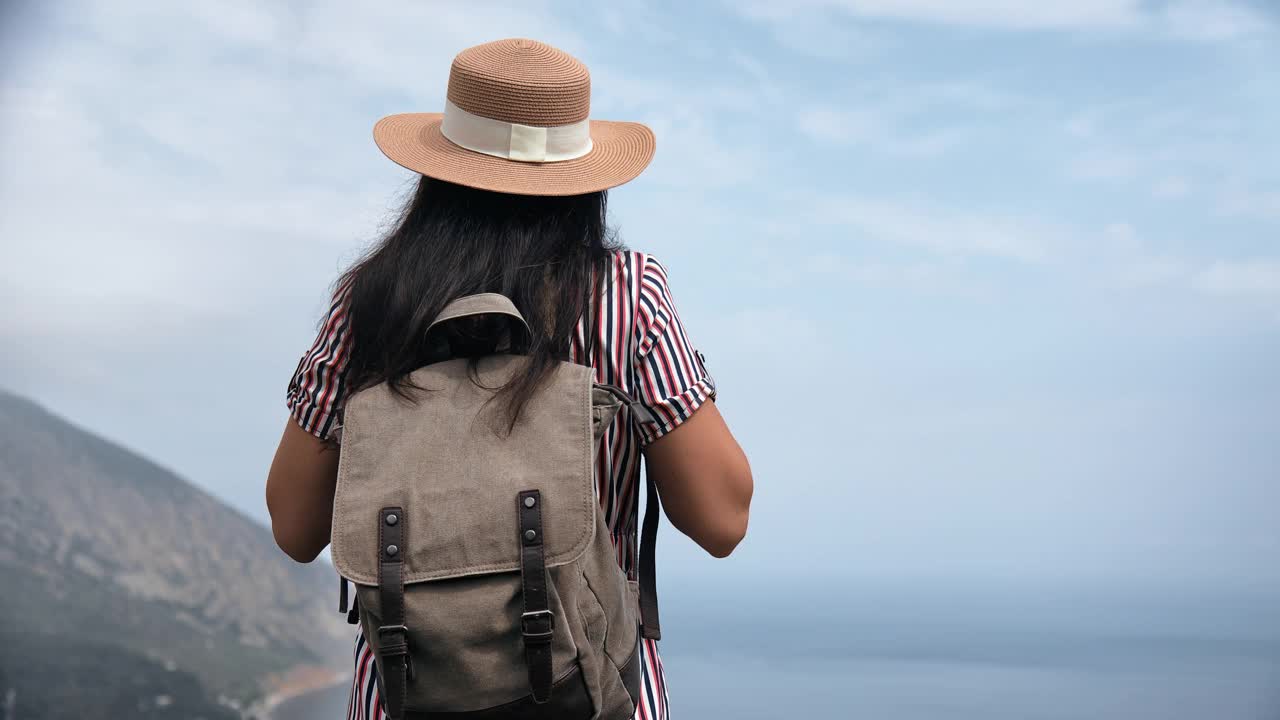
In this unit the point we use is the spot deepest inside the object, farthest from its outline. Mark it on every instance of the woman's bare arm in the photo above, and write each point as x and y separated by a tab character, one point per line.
704	480
300	489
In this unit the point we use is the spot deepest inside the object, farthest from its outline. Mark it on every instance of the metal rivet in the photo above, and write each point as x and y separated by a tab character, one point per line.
530	535
392	550
392	519
529	501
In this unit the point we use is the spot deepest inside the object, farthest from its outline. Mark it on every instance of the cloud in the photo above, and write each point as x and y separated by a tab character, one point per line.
1172	186
1124	260
818	31
1211	20
632	18
1109	165
144	218
405	46
1008	14
1172	147
789	328
1083	124
1257	278
1239	200
776	268
867	128
948	244
904	120
708	133
766	87
1121	258
942	231
931	277
1189	19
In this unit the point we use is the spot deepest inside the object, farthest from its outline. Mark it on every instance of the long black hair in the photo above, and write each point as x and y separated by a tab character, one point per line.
449	241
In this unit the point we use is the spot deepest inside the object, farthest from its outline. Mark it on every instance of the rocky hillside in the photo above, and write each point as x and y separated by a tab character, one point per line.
128	590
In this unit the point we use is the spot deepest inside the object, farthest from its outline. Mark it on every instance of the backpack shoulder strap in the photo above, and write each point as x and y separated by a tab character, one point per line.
649	626
479	304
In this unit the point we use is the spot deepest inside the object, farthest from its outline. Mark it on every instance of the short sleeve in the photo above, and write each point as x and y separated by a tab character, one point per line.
671	380
318	387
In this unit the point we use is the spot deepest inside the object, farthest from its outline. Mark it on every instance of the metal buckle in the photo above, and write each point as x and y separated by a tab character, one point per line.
400	648
402	641
524	625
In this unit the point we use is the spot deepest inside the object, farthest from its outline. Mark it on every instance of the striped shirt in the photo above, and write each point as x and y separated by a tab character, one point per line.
639	344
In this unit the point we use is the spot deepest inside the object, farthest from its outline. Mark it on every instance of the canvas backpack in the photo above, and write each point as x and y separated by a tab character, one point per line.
487	585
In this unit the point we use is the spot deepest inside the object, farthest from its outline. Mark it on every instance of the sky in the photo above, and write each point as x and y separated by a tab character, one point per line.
990	290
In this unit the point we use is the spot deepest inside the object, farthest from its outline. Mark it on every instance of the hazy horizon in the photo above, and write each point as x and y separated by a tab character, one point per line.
930	651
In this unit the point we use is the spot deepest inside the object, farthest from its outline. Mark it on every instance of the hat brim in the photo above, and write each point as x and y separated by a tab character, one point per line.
619	152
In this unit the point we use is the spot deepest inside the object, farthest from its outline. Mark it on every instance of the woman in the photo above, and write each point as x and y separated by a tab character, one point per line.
512	200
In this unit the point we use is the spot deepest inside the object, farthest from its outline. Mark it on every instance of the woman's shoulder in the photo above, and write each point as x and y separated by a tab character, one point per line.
639	270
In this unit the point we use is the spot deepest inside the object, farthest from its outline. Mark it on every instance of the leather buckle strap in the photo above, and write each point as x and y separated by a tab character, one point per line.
393	637
537	622
393	641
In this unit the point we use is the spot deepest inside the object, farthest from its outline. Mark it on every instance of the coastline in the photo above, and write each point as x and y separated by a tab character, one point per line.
294	685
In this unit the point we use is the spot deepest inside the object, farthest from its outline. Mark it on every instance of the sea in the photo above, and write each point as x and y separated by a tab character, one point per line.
918	652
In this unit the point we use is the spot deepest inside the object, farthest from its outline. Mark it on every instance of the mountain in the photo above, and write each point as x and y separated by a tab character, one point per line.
128	592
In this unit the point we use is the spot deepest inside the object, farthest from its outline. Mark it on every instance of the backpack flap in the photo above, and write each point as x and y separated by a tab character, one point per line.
445	457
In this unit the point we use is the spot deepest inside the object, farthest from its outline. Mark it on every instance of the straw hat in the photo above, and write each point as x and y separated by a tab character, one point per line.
516	121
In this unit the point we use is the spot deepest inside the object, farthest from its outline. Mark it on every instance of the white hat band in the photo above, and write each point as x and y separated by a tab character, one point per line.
513	141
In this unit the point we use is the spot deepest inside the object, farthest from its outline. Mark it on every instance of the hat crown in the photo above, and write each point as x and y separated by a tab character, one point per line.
521	81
